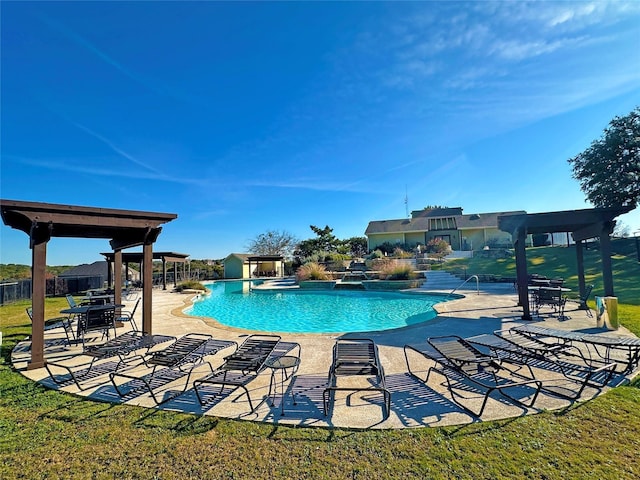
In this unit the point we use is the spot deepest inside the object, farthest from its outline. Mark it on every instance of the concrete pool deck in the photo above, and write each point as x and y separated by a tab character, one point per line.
413	403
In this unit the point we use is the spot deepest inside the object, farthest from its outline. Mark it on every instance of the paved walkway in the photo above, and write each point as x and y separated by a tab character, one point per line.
413	403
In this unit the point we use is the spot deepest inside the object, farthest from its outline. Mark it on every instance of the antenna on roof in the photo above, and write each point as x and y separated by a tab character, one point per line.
406	202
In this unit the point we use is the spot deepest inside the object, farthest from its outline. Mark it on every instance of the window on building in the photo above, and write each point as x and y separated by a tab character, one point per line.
444	223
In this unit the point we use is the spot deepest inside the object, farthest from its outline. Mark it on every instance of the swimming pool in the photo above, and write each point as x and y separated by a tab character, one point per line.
296	311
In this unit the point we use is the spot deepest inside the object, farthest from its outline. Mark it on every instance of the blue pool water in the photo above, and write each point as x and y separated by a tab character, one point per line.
297	311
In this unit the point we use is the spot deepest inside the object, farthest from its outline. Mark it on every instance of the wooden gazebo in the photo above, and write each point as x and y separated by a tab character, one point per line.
123	228
138	257
582	224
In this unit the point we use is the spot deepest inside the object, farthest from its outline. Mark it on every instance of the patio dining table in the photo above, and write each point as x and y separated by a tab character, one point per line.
82	309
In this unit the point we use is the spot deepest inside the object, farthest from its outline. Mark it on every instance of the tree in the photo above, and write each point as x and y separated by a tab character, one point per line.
273	243
326	240
609	170
356	246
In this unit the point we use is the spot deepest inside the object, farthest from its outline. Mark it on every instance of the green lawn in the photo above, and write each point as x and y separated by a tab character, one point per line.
48	434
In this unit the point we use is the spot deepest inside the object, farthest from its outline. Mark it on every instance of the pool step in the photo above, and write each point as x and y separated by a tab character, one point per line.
438	280
349	286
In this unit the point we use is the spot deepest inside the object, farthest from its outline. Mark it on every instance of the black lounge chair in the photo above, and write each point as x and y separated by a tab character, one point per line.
560	358
602	346
464	366
122	346
238	369
59	322
356	357
168	365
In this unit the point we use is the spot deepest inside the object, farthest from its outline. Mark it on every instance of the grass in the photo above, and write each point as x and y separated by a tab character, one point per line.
561	262
49	434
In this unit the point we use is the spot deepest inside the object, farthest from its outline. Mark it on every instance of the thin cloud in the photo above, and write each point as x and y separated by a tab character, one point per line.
81	167
155	86
118	150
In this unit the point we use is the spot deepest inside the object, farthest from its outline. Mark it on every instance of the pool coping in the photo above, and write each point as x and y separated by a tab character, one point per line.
414	404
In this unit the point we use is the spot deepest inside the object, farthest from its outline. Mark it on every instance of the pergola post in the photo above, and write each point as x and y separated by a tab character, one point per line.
109	274
580	266
117	281
117	274
175	274
521	272
164	273
605	252
147	287
38	290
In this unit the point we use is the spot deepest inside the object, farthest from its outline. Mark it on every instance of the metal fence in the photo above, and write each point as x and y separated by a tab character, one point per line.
12	291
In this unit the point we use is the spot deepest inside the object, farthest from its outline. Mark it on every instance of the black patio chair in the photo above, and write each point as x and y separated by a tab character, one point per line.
552	297
464	366
582	301
128	316
168	365
356	357
122	346
96	318
238	369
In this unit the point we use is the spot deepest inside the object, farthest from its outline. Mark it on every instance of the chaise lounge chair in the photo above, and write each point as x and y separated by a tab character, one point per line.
122	346
238	369
560	358
464	366
356	357
168	365
604	347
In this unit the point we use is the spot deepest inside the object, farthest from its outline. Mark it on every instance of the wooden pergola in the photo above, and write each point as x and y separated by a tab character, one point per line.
582	224
258	259
138	257
123	228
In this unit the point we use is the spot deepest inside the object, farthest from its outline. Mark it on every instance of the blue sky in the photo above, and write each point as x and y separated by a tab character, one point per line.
245	117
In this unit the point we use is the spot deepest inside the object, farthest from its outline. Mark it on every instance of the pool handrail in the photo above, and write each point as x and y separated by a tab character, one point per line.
462	284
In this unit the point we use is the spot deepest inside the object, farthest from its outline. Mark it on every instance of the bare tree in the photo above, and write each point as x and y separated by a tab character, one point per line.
273	243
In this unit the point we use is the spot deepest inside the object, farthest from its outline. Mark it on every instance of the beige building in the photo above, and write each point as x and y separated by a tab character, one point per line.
462	232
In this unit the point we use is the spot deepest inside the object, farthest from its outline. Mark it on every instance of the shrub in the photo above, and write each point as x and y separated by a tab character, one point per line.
380	264
190	285
400	253
312	271
437	246
396	271
375	254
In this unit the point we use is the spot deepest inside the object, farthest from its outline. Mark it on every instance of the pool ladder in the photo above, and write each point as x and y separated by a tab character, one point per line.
462	284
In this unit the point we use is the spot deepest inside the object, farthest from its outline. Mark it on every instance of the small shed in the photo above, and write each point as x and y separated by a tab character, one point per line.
245	265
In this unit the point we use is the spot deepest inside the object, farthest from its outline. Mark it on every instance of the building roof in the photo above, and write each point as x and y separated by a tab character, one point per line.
437	212
246	257
95	269
420	223
483	220
241	256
